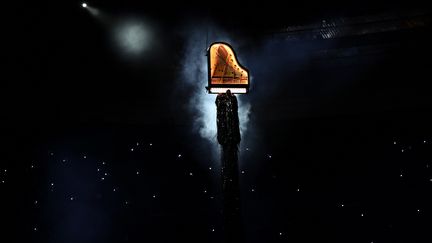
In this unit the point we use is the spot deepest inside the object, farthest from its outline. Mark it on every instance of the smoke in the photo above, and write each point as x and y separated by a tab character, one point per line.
244	114
194	78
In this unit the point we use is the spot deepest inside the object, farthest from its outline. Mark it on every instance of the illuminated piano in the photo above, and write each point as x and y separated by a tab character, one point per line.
224	71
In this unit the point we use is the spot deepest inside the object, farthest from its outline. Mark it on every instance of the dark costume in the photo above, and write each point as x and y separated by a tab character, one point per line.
227	120
228	135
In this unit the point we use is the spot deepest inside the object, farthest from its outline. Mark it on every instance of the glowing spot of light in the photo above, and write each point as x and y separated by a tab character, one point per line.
133	37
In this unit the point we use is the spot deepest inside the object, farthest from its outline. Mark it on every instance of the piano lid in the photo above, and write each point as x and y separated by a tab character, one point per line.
225	72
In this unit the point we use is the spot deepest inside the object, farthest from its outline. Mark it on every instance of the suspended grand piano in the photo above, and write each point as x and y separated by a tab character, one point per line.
224	71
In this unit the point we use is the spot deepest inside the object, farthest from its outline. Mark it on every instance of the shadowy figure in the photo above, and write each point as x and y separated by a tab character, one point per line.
227	119
228	135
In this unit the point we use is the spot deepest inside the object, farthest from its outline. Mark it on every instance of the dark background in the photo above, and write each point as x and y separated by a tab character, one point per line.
345	134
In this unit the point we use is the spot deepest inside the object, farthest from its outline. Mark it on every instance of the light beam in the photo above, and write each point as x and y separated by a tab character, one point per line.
93	11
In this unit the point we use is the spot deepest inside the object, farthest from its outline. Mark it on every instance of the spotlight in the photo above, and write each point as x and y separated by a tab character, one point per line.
84	5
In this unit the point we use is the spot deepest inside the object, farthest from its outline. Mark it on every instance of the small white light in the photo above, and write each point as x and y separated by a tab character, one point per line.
213	230
84	5
132	149
362	215
280	233
210	168
179	155
151	144
154	195
298	189
242	172
137	172
114	190
190	173
52	184
252	190
71	198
